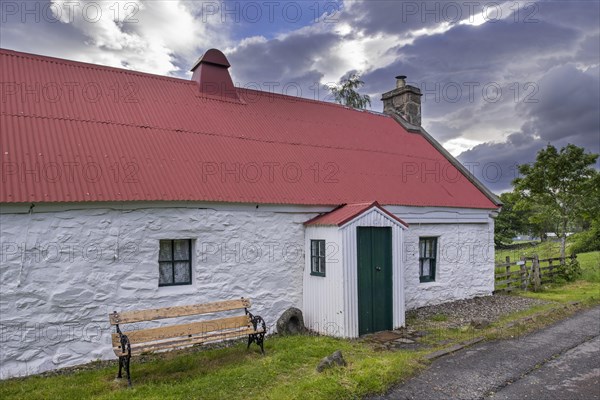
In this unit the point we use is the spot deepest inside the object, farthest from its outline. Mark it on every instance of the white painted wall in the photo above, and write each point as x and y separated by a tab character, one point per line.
465	264
323	305
63	272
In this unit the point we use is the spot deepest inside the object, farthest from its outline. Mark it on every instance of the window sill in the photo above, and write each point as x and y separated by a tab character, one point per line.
321	274
426	280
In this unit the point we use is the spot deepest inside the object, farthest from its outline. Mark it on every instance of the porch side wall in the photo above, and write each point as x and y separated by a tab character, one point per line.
323	304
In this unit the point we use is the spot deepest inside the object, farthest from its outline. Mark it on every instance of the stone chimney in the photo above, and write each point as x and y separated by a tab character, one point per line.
404	101
210	72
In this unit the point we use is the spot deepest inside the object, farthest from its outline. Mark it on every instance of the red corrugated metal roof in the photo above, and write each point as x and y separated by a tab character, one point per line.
73	132
346	213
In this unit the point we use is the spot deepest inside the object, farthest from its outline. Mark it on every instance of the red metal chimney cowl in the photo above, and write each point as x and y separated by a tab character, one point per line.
210	72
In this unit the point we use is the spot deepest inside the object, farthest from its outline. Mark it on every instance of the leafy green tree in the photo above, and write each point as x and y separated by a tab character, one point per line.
561	186
511	221
346	92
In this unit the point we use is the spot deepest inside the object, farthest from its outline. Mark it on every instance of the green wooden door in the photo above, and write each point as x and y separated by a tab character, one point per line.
374	279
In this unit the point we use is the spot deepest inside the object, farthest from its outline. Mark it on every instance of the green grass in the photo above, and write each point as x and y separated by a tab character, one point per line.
590	266
286	372
542	249
439	317
579	291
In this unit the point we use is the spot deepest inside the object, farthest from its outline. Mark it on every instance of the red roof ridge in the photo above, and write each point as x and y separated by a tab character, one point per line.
313	101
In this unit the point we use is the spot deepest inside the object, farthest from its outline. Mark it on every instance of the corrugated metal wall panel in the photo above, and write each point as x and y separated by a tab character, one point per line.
324	296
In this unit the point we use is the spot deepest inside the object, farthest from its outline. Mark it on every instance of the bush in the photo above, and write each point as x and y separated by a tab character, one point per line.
587	241
570	271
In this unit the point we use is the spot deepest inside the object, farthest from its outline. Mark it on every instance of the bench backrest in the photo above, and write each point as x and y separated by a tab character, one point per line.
128	317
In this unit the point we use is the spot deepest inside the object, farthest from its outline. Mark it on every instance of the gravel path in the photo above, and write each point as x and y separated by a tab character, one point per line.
461	312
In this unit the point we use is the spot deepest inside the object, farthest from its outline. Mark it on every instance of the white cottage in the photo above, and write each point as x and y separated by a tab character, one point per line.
124	190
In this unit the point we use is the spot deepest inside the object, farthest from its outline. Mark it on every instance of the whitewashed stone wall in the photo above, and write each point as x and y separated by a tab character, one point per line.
63	272
465	264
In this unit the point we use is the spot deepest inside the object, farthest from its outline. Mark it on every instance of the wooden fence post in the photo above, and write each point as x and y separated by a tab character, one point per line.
537	278
508	283
523	273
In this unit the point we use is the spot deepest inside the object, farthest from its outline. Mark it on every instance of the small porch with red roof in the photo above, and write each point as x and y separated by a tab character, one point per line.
353	279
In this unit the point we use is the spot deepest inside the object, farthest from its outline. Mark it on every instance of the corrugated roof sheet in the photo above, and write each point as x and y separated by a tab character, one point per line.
346	213
73	132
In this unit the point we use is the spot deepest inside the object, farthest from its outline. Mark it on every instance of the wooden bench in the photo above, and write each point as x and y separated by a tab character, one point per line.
169	337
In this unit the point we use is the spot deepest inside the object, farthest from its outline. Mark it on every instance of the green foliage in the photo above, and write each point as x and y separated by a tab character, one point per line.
510	221
346	92
571	271
586	241
561	186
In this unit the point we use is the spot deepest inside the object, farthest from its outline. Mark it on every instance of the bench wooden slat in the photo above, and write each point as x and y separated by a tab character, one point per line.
185	342
128	317
194	328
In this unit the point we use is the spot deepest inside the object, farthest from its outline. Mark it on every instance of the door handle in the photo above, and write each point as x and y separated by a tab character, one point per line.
377	268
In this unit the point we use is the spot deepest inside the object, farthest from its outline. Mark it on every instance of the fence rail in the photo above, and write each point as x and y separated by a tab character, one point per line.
527	272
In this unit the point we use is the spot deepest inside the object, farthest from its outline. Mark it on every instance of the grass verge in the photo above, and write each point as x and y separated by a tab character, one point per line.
286	372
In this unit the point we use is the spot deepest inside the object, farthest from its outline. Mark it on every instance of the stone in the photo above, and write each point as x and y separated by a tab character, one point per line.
291	322
480	323
331	361
404	341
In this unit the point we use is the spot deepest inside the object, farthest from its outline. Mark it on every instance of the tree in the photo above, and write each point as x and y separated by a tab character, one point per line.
559	185
346	92
511	221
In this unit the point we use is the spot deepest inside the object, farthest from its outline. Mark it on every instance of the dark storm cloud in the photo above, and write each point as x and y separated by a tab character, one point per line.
583	14
495	164
566	113
384	16
287	61
568	108
461	71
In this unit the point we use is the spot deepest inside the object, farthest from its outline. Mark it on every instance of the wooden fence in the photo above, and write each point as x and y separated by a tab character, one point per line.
527	272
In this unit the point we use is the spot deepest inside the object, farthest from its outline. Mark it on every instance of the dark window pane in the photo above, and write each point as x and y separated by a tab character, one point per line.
165	273
182	249
165	253
182	272
317	256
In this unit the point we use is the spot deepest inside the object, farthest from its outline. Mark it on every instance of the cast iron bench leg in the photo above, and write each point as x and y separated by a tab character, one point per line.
259	338
124	360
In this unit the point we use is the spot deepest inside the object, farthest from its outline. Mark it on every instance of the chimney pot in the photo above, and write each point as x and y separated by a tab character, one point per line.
400	81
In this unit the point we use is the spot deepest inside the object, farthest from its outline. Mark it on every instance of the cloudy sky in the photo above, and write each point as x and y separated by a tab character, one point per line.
500	79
